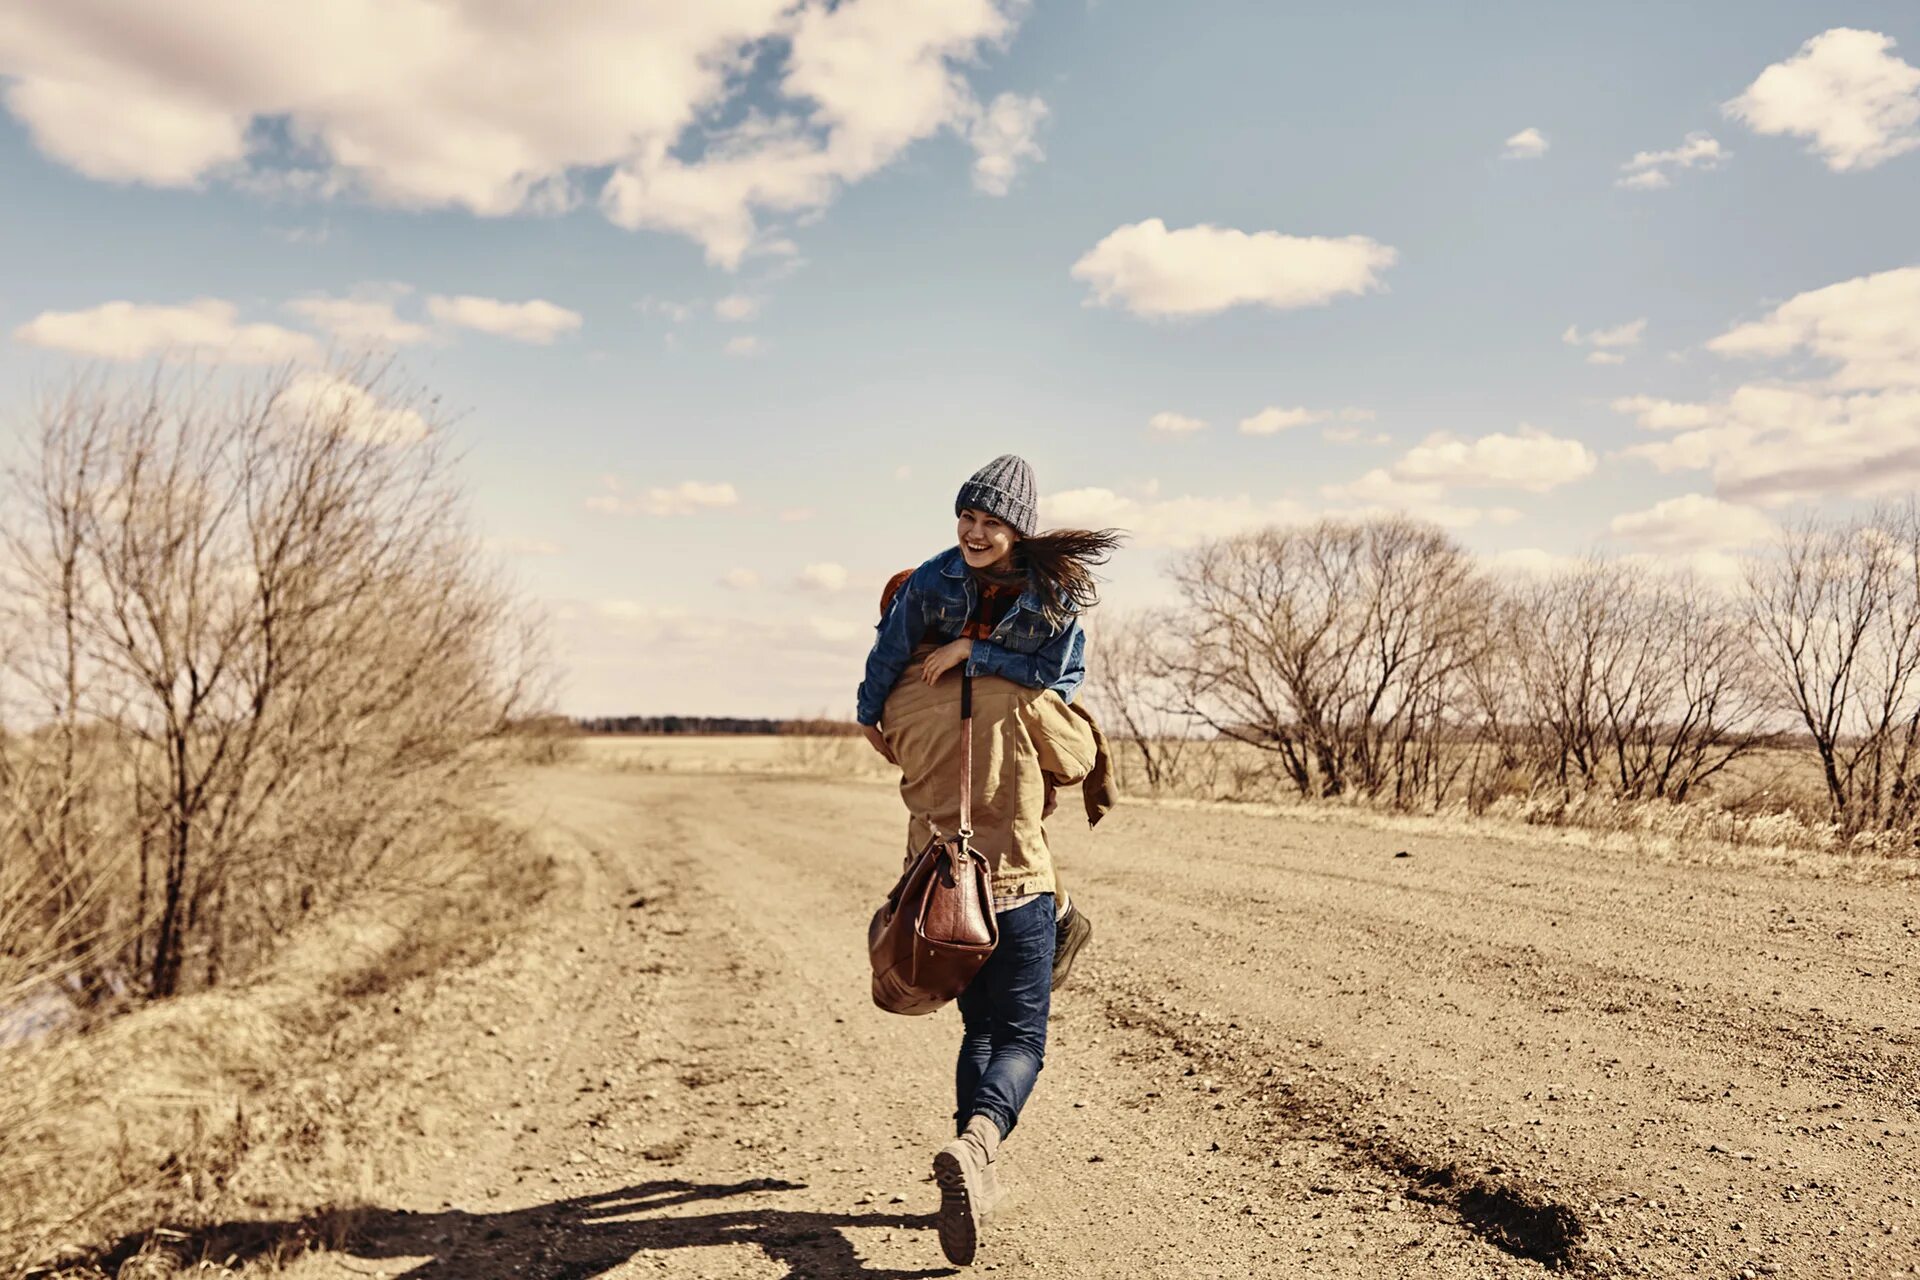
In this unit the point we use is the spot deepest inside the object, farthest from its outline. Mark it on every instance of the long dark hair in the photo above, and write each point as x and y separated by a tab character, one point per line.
1060	563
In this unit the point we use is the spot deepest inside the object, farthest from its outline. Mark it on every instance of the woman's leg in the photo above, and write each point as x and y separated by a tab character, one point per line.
1004	1045
976	1050
1006	1007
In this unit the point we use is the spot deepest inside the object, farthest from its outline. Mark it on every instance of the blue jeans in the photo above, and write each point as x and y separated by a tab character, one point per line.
1004	1012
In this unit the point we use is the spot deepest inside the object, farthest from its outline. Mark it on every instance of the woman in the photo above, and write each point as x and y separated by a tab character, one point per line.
1005	602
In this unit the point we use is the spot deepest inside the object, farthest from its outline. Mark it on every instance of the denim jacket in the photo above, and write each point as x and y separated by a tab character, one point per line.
935	603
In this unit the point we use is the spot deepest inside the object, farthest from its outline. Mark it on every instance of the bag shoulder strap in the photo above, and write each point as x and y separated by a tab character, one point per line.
966	756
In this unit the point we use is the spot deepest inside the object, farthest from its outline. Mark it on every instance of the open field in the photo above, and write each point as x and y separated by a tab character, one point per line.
1761	811
1205	768
734	753
1289	1052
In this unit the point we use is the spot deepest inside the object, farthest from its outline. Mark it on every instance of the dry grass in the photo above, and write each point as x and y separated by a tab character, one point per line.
1765	809
186	1110
831	757
1761	812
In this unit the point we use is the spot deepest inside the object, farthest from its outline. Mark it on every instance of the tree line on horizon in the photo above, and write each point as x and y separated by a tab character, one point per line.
711	726
1377	659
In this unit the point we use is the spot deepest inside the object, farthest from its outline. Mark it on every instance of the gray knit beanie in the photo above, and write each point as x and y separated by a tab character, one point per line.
1004	488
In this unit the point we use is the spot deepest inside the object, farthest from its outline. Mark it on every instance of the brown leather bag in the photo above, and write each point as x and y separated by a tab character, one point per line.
937	927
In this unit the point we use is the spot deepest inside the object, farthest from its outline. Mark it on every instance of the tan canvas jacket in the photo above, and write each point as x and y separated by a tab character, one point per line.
1025	743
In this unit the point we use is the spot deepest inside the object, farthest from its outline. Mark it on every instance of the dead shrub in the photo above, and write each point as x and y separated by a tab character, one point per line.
253	647
1837	614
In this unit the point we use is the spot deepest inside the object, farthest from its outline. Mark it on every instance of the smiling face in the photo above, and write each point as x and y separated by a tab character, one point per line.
985	540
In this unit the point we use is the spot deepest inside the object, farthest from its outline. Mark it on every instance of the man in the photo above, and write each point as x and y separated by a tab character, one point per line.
1072	929
1026	743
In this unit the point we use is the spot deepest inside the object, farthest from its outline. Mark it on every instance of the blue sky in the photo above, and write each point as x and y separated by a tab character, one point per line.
896	197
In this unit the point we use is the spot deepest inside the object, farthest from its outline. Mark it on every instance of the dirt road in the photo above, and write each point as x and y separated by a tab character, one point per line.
1290	1052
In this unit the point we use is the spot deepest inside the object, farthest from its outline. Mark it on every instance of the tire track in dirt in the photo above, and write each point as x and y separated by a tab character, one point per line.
1286	1053
1716	1151
1102	1191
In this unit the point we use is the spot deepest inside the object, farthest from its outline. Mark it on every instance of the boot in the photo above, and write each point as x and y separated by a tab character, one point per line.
969	1187
1071	932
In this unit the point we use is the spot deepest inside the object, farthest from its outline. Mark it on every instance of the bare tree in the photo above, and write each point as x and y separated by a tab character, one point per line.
1716	709
1426	623
1129	682
1500	736
265	604
1837	616
1635	681
1336	646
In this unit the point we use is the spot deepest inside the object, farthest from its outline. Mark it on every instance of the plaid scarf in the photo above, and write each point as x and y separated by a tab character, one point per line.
995	600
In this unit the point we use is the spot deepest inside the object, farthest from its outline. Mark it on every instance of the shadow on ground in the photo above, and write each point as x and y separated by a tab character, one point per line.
569	1239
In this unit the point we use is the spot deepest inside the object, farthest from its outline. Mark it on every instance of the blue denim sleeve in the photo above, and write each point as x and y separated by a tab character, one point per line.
1059	665
893	643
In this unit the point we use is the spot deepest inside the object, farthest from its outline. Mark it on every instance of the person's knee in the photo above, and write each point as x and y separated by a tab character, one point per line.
1029	1048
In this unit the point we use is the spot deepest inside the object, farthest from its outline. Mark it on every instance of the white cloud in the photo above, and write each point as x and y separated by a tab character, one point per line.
1693	522
823	577
1164	522
1621	335
1353	435
736	307
1608	344
1381	487
838	630
1530	459
1530	562
1003	134
1170	423
1380	492
797	515
1205	269
1846	91
1779	443
126	133
1869	327
746	344
740	579
651	623
638	656
1528	144
1273	420
1664	415
348	409
1645	180
536	321
1653	169
204	329
486	107
880	76
683	499
665	308
366	317
530	547
319	234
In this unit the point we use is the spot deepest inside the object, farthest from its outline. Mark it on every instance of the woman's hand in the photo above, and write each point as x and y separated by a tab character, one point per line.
878	741
945	658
